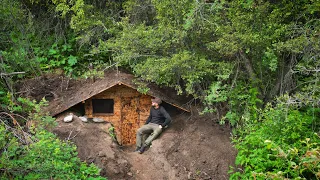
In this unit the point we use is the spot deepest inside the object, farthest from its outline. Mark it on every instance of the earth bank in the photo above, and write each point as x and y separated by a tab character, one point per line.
192	147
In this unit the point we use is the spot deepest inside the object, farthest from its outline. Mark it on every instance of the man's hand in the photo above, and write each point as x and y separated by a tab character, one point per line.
160	126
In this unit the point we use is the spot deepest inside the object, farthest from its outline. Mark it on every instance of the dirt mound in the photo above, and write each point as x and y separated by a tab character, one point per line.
191	148
95	145
49	86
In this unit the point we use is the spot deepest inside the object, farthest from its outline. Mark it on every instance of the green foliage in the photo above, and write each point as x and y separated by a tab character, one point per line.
244	103
242	53
142	87
217	93
282	145
26	107
170	71
172	13
140	12
90	20
40	155
58	56
46	158
270	59
112	133
20	105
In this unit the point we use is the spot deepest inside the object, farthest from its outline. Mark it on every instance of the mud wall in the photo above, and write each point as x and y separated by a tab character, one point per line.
131	109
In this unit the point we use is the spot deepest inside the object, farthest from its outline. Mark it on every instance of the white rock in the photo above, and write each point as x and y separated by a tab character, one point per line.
83	118
97	120
68	118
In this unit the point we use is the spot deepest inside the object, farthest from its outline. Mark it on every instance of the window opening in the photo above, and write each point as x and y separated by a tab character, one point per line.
103	105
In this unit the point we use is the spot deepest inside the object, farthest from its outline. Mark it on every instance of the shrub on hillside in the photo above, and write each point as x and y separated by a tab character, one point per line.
36	153
283	145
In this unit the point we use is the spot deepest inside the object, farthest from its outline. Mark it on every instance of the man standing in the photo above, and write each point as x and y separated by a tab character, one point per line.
157	120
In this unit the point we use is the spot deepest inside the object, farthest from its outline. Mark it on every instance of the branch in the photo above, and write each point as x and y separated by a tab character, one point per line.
306	70
18	132
9	74
248	66
236	76
114	64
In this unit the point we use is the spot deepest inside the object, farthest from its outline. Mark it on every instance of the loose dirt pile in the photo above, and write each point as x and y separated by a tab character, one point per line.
95	145
191	148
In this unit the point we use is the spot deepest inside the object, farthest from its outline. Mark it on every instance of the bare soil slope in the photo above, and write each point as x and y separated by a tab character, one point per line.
191	148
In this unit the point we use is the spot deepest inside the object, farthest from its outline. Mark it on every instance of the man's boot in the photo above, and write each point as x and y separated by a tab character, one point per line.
142	149
137	149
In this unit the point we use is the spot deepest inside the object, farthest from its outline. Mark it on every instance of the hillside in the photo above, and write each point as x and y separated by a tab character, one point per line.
192	147
249	65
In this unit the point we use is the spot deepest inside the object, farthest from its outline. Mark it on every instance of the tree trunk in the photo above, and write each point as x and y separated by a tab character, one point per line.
248	66
253	77
284	82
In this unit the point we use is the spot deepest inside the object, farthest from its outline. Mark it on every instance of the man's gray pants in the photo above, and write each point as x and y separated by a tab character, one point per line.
152	129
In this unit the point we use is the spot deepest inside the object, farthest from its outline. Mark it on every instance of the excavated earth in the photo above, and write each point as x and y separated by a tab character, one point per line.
192	147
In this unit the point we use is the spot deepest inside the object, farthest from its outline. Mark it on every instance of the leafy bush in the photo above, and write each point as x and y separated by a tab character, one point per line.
58	56
46	157
283	145
243	102
40	155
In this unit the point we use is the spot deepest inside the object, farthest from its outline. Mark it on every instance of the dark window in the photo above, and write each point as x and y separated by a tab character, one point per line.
102	105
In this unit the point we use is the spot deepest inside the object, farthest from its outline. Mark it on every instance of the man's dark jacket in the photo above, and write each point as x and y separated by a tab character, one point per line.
159	116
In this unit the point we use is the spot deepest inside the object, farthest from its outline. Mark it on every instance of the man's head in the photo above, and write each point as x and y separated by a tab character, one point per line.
156	102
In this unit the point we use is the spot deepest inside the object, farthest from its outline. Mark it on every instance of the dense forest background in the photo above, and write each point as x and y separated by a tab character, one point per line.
257	58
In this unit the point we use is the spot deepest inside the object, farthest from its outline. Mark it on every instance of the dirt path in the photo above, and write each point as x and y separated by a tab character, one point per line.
144	168
196	148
